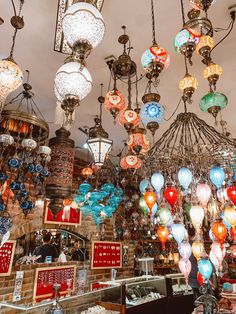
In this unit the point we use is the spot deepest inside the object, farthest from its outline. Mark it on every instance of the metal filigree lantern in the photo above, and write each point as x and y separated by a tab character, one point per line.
59	184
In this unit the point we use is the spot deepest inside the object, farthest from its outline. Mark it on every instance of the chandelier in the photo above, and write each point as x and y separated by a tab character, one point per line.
83	28
11	76
24	155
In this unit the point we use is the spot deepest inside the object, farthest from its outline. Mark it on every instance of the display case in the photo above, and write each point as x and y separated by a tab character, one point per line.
178	294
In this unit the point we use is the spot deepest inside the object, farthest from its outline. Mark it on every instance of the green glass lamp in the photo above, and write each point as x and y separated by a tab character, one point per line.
213	102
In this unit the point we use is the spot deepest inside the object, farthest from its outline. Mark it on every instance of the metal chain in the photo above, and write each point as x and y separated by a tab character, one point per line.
16	30
153	24
182	10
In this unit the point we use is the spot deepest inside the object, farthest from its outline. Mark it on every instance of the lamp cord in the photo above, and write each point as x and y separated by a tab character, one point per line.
153	24
182	11
177	107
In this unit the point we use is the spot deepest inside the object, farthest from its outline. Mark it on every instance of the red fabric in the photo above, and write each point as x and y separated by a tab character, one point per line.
74	216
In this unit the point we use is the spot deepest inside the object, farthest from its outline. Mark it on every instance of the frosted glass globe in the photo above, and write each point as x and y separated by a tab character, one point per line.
83	22
72	80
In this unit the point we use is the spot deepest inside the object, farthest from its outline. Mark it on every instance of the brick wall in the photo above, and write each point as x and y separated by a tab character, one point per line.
87	228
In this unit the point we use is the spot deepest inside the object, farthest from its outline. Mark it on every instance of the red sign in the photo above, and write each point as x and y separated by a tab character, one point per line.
106	255
98	286
46	277
7	251
67	216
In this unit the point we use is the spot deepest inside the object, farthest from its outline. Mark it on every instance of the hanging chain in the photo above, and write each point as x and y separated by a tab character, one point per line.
153	25
182	10
16	29
129	93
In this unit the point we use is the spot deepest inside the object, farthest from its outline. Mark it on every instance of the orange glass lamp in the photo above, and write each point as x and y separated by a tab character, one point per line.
230	215
114	102
129	119
87	172
188	85
163	233
137	142
212	73
205	46
198	249
150	199
220	231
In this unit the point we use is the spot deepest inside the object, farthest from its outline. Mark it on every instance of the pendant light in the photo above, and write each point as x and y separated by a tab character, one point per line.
150	198
205	268
157	181
162	234
220	231
203	193
185	177
11	76
197	216
98	143
231	192
185	268
185	250
178	231
198	248
155	59
230	215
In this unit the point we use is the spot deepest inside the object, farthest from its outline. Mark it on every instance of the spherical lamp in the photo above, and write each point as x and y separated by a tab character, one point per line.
220	231
217	176
203	193
198	249
230	215
137	141
185	250
212	73
163	233
178	231
150	199
205	268
151	115
157	181
129	119
164	215
213	102
185	177
231	192
188	85
131	162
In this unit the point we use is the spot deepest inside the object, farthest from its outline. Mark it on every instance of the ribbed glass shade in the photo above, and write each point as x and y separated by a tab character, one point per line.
205	41
188	82
72	80
83	22
152	112
11	78
99	148
129	116
155	54
213	99
212	69
185	37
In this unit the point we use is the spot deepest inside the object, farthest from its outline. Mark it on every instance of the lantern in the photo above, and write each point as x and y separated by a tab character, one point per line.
213	102
205	46
150	199
87	172
230	215
198	249
129	119
185	268
114	102
203	193
197	216
218	252
231	192
200	279
222	195
188	85
220	231
186	41
143	185
163	233
100	148
185	250
130	162
233	231
137	142
171	195
212	73
213	209
205	268
151	115
155	59
217	176
185	177
179	232
164	215
157	181
59	184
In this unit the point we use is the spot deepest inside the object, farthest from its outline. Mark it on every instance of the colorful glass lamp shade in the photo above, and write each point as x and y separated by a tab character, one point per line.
155	59
220	231
131	162
114	102
129	119
137	141
213	102
157	181
197	216
198	249
203	193
205	46
230	215
87	172
164	215
212	73
231	192
143	185
205	268
185	177
150	199
217	176
163	233
171	195
188	85
185	268
185	250
152	114
179	232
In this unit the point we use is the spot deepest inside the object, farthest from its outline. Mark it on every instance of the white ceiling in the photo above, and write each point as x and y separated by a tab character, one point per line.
34	51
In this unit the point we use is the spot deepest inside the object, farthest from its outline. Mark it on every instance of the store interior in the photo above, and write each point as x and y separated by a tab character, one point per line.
117	156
